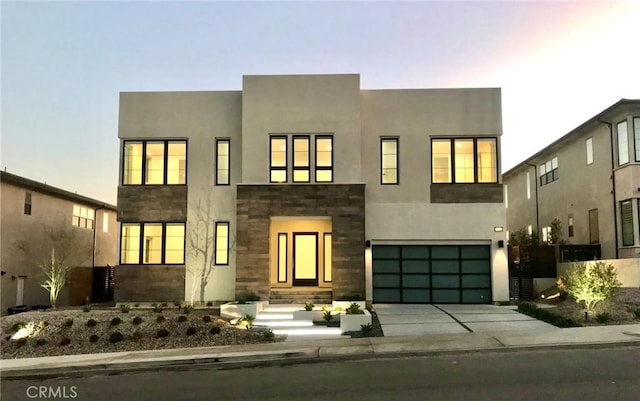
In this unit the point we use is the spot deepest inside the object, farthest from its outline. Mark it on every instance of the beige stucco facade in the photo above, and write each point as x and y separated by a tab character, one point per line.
356	119
51	208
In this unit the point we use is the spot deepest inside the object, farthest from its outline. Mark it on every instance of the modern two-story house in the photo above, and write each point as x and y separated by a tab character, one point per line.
589	179
309	183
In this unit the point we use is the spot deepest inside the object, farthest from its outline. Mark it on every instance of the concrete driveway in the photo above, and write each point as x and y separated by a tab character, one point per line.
410	320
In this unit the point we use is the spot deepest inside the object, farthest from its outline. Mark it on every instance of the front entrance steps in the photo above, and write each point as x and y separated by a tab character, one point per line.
300	295
279	318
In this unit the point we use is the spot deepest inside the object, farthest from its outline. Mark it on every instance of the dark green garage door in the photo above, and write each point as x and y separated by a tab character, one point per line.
432	274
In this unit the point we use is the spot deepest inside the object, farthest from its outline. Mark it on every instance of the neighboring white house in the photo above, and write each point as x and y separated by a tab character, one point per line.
314	186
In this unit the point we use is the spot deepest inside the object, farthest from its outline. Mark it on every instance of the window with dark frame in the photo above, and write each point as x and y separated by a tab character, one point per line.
626	218
154	162
324	158
570	225
464	160
301	156
27	203
548	171
152	243
282	257
278	158
221	243
389	171
636	136
623	143
223	150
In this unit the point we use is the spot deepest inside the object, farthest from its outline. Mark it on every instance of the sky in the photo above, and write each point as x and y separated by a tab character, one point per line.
64	64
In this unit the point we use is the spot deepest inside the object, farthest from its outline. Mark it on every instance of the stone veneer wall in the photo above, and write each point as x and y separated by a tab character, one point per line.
344	203
149	283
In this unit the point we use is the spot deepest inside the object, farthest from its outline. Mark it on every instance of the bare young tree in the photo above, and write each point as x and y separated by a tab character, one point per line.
201	240
56	250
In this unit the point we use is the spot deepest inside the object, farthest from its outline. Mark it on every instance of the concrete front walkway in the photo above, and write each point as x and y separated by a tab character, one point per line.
409	320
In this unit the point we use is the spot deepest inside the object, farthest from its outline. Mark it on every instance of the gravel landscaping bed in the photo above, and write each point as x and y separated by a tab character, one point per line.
67	332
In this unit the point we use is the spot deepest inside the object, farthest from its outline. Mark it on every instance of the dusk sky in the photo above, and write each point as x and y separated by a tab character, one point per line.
64	64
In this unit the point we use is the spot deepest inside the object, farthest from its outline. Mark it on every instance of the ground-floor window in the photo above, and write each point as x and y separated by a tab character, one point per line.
152	243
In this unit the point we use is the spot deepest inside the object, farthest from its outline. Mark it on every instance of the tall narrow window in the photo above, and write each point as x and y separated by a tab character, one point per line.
27	203
282	257
528	185
589	148
105	222
636	136
530	229
174	243
486	159
441	160
278	162
222	243
506	196
327	257
324	158
389	160
152	246
626	218
464	161
594	228
177	163
623	143
570	225
132	169
130	243
546	235
154	163
301	165
222	161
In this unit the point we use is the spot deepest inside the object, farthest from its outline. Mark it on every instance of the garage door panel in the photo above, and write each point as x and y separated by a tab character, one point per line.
387	266
452	281
476	266
415	266
386	280
386	252
445	252
446	296
476	281
415	252
416	296
445	266
415	281
383	295
476	296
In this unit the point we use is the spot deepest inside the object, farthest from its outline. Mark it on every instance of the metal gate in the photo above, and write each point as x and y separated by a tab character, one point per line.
103	283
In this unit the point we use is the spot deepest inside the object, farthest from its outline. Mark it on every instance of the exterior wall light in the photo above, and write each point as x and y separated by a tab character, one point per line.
498	229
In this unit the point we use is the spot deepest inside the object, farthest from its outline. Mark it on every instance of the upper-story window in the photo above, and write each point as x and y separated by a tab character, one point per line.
589	148
278	162
636	136
549	171
222	161
301	165
324	158
152	243
83	217
623	143
27	203
389	161
154	162
464	160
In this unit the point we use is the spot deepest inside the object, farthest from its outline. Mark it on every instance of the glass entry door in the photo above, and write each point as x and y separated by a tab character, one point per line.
305	259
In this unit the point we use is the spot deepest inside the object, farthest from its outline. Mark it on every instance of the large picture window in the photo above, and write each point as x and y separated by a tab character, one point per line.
222	161
464	160
324	158
301	166
222	243
389	161
623	143
154	162
152	243
278	160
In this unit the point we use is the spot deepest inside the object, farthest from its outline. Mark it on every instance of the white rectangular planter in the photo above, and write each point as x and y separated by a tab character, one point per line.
233	309
353	322
345	304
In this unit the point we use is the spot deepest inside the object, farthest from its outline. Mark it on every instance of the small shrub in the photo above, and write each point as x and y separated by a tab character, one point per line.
191	331
545	315
40	342
160	319
164	305
590	284
209	303
137	335
177	304
604	317
137	320
338	309
65	341
116	321
94	338
68	323
308	306
246	321
248	297
124	308
17	326
365	329
21	342
162	333
157	308
636	312
268	335
136	305
86	308
91	323
182	318
215	330
206	319
327	316
354	309
187	308
116	337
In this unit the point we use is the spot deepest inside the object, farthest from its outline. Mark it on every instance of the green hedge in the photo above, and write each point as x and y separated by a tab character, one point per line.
546	316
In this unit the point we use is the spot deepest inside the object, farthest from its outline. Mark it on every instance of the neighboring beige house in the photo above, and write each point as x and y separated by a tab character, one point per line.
589	179
30	207
313	187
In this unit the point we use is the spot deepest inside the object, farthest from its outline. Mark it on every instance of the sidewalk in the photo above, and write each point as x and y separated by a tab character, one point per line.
316	350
